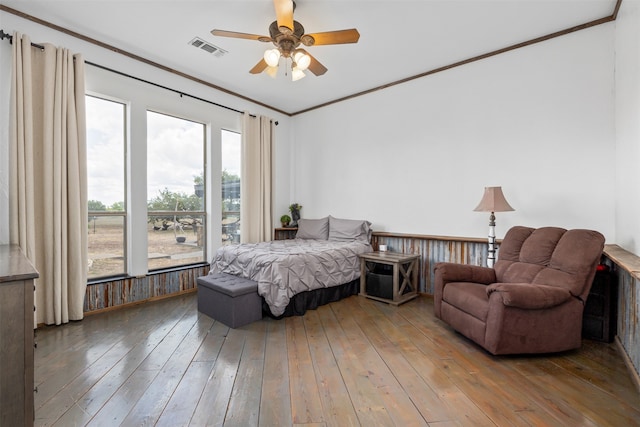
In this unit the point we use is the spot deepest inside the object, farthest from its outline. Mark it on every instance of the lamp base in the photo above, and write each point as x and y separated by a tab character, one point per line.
491	258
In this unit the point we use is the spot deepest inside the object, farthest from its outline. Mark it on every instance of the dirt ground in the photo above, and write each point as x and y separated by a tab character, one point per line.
106	237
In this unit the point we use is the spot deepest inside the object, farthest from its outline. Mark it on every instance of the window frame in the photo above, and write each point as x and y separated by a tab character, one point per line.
140	96
225	228
196	213
124	212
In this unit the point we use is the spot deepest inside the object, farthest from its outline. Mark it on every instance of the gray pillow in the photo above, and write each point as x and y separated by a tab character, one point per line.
313	228
349	229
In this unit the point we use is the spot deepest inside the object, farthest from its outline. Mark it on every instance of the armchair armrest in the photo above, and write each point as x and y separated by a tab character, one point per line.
529	296
451	272
446	272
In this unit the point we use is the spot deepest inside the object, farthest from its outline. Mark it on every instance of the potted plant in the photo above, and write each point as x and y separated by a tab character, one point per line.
285	220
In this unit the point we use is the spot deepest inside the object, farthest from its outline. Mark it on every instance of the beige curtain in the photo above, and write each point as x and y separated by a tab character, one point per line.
257	147
48	176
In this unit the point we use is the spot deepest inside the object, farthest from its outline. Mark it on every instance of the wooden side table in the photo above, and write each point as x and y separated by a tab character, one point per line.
405	275
283	233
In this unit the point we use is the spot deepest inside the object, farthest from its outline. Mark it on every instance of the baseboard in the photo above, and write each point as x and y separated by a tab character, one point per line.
635	377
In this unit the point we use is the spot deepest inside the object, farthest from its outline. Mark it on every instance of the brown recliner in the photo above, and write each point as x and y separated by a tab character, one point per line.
532	300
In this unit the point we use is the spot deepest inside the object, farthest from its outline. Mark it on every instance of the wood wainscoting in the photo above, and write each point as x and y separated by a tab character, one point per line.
110	294
433	249
626	267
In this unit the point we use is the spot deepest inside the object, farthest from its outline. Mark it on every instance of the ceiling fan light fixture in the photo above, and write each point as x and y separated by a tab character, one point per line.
297	74
302	59
272	57
287	34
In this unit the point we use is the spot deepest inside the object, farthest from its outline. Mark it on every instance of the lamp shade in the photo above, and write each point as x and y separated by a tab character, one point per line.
297	74
272	57
302	59
493	201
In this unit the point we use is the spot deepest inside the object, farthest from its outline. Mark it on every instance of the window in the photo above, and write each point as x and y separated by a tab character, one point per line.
231	157
175	191
106	187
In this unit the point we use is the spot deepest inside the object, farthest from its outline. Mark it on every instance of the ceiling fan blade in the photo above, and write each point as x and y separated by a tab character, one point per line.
315	66
236	35
259	67
284	13
334	37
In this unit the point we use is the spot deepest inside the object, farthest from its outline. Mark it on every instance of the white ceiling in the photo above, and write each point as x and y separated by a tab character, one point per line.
398	39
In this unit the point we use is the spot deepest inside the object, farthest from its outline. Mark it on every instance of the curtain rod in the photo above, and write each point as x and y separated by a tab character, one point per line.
4	35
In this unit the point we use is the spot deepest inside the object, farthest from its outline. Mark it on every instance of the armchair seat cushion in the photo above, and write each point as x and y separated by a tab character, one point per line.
472	298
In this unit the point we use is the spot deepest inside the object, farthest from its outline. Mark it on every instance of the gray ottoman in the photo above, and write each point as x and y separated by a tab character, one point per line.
229	299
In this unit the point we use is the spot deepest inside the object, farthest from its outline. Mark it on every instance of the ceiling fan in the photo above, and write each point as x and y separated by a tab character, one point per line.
287	35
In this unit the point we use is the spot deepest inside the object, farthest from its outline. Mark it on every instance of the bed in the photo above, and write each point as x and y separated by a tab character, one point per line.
320	265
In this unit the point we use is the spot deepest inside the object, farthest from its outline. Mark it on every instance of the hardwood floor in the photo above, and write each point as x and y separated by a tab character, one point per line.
354	362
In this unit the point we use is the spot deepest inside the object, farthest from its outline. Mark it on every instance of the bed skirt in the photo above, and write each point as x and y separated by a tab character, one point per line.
300	303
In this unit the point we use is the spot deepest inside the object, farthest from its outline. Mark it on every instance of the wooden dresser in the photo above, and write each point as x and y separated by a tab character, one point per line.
16	337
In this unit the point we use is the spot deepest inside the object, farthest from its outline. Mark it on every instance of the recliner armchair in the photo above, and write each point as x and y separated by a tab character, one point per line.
532	300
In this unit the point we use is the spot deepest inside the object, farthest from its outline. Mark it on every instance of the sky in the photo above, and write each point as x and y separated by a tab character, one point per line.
175	152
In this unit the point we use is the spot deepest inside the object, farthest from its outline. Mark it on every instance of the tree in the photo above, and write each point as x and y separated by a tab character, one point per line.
96	205
169	201
198	179
226	176
117	206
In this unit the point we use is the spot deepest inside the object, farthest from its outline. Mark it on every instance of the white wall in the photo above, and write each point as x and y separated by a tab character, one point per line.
141	96
627	65
415	158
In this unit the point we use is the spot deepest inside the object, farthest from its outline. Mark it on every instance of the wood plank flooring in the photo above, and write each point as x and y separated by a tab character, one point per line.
356	362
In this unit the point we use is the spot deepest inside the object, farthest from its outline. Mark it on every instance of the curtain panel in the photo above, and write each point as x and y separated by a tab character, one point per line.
48	176
256	218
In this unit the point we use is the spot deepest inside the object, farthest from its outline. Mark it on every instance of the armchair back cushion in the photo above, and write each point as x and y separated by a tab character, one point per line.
550	256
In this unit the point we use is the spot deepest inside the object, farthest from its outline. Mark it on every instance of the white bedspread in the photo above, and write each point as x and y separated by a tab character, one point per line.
284	268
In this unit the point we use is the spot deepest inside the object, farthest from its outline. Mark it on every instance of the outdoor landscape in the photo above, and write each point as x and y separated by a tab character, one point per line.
106	245
175	229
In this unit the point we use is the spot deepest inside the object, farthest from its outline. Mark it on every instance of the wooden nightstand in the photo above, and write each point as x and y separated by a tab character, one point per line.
403	281
283	233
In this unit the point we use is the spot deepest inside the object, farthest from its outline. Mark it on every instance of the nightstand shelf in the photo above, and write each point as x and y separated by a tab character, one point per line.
284	233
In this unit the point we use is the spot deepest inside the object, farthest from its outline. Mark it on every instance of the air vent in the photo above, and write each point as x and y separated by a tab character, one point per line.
207	47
